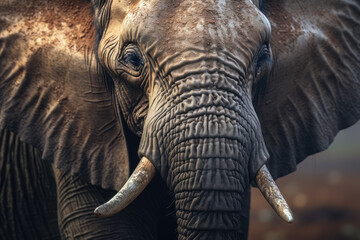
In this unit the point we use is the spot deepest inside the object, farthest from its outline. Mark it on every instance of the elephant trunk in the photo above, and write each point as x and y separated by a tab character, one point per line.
209	173
211	193
207	145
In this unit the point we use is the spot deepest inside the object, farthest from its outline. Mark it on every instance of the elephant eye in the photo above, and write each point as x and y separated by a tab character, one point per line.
262	70
132	58
263	64
131	66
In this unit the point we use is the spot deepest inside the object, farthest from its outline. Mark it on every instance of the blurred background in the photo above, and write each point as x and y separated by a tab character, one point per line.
324	195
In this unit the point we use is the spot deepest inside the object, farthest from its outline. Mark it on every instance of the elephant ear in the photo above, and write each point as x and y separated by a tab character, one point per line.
314	91
50	95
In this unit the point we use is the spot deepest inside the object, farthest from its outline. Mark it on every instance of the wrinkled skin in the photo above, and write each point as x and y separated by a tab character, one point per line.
193	83
208	91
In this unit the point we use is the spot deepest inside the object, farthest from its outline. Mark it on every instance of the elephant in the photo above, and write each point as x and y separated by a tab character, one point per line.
196	101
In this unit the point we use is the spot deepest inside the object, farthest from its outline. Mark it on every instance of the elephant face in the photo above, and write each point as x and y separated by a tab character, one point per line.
191	80
188	90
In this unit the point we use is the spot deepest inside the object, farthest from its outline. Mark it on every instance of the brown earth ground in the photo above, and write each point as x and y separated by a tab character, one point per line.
324	195
323	208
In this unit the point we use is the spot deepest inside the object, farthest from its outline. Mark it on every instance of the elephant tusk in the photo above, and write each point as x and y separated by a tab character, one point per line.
137	182
272	194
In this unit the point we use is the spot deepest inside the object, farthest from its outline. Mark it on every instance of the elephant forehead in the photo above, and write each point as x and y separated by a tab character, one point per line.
203	24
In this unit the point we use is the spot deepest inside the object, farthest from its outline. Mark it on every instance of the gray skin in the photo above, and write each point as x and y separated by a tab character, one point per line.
27	192
208	91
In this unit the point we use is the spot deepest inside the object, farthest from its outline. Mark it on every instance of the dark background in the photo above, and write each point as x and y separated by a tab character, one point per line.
324	195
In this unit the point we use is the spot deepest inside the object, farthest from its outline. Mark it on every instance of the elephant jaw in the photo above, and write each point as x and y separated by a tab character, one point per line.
145	171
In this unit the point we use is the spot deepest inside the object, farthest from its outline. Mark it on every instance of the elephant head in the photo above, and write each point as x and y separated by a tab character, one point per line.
214	90
186	76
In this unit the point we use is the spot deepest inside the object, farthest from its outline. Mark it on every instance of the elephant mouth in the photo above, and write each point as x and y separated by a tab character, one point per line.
145	171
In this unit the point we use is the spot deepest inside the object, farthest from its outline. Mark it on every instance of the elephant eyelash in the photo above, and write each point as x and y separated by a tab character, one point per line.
134	60
263	63
263	66
131	60
132	66
262	72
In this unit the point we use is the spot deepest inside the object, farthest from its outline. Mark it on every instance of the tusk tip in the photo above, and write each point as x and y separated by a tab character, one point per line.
100	211
138	180
273	195
287	215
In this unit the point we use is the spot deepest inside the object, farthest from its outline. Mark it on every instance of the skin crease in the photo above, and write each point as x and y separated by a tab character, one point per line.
51	100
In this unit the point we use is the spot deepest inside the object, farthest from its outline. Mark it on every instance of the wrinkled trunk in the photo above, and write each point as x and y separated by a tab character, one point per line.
207	145
210	191
209	175
218	223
